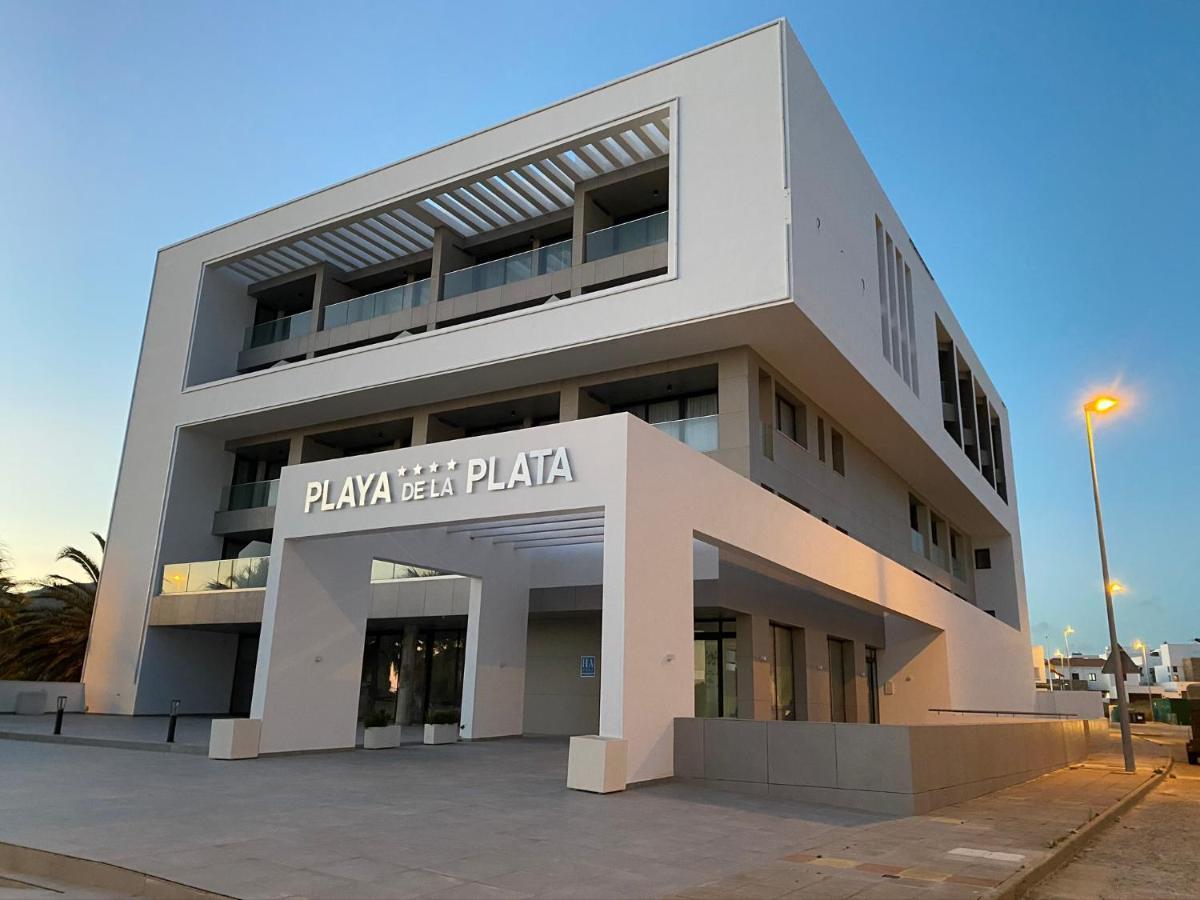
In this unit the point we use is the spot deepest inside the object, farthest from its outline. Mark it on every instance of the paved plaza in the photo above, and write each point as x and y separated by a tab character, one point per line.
494	819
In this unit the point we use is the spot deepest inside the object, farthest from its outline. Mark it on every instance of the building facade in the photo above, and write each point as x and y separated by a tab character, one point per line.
640	406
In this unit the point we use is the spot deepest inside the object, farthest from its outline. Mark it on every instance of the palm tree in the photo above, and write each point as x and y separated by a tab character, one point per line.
10	596
49	631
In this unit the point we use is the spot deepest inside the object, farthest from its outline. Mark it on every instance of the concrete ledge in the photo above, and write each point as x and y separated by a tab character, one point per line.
1021	882
893	769
10	691
86	873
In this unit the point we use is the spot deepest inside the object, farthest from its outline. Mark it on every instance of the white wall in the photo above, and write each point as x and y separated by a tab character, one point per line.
72	690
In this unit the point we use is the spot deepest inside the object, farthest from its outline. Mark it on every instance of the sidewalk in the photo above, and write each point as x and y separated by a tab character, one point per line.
961	851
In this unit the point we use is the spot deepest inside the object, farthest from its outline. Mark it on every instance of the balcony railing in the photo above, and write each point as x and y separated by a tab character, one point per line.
627	236
498	272
253	495
215	575
381	303
251	572
279	329
700	433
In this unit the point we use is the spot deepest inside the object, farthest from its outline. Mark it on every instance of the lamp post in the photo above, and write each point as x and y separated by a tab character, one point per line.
1140	645
1102	405
1067	632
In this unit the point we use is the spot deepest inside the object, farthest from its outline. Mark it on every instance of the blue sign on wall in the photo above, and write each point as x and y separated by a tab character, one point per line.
587	667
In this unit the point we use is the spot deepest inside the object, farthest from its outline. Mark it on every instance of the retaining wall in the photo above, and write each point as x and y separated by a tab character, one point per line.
895	769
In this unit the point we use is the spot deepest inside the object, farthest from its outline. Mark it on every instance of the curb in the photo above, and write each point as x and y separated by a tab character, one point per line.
70	740
30	862
1021	882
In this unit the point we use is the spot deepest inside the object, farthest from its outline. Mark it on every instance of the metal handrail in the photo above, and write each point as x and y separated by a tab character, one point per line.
1004	712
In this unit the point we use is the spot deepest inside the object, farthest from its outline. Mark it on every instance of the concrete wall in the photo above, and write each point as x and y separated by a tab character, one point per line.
557	699
895	769
73	690
1082	704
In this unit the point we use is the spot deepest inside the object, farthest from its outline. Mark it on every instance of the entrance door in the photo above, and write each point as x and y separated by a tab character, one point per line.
243	675
841	664
429	683
715	668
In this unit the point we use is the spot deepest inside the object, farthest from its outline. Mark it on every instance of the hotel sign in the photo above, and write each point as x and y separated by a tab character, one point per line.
439	479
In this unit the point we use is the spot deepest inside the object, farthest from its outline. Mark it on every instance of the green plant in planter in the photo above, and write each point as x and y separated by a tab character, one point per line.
377	719
442	717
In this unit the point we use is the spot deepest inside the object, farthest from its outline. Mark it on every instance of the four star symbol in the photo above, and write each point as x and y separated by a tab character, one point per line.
432	468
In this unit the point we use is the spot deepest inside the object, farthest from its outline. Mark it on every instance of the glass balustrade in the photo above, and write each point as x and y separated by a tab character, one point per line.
253	495
215	575
251	572
627	236
279	329
700	433
381	303
510	269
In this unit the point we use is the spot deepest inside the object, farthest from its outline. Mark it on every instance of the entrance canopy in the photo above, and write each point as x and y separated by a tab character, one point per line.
493	507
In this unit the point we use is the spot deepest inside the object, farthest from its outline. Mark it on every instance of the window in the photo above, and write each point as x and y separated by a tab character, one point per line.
939	537
783	684
916	513
715	668
983	558
897	321
792	420
841	680
838	448
1091	676
820	439
873	685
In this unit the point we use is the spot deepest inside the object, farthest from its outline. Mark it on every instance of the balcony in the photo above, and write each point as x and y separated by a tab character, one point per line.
509	270
372	306
616	255
700	433
215	575
627	237
247	508
278	330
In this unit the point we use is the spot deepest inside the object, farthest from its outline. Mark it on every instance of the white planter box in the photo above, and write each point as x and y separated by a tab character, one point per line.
381	738
441	734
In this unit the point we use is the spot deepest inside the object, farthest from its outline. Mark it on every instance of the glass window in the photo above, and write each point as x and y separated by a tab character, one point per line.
783	684
785	417
839	452
873	684
715	668
841	662
820	439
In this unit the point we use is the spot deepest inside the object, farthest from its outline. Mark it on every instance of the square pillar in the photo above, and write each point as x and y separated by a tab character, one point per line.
493	702
647	623
755	696
310	653
813	699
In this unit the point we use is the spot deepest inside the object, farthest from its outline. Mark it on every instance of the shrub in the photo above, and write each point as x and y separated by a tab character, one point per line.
377	719
442	717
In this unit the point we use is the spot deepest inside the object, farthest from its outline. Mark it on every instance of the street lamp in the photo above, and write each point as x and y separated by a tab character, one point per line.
1099	406
1067	632
1140	645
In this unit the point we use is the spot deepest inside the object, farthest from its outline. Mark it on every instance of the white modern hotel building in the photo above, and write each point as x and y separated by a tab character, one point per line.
639	407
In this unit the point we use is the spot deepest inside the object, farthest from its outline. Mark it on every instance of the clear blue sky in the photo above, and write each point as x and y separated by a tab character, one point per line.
1044	156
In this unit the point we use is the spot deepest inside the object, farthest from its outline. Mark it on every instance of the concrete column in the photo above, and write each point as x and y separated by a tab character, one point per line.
296	450
737	382
813	700
310	653
755	696
406	701
647	625
493	703
447	257
420	429
589	216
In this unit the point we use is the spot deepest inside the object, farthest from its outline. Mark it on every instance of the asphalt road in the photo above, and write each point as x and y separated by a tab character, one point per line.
1152	851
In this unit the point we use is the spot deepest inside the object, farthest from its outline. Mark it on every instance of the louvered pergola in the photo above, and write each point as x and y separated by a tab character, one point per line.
519	192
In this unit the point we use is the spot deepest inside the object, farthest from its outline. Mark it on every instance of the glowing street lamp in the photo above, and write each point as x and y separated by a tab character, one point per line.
1067	632
1099	406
